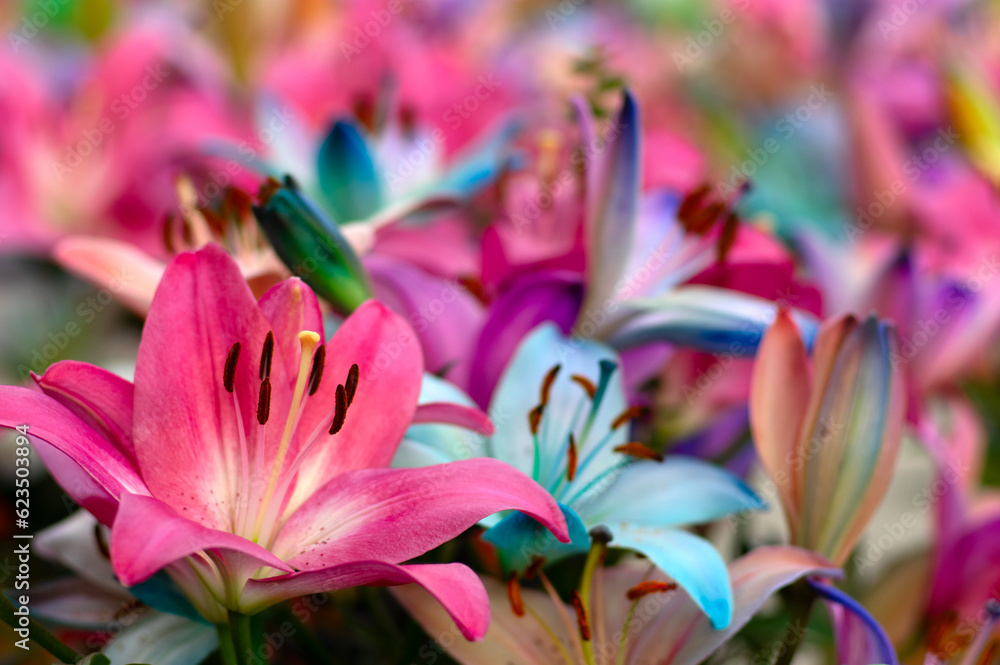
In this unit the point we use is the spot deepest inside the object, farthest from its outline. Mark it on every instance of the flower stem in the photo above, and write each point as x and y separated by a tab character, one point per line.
800	602
226	647
39	634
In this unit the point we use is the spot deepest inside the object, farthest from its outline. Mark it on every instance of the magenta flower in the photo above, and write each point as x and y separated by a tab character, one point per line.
250	461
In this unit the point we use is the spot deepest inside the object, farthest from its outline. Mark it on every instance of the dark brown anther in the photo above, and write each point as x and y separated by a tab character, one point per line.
727	237
229	373
547	383
316	372
628	414
649	587
266	354
168	233
586	384
638	450
581	617
535	418
571	459
340	409
364	111
264	401
216	222
704	219
536	565
514	595
691	203
267	190
353	376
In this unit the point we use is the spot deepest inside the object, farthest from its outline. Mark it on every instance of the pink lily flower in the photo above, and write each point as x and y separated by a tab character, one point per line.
631	623
249	460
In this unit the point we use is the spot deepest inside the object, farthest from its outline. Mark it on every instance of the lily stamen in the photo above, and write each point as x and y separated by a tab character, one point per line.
308	341
639	451
514	595
340	409
229	373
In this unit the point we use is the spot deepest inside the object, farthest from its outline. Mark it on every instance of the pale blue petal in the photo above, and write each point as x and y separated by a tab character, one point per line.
676	492
691	561
520	540
165	640
412	454
705	318
518	392
478	166
432	443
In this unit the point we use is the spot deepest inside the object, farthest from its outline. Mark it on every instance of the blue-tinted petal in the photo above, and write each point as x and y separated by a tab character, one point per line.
860	639
676	492
348	175
520	540
164	640
518	392
478	166
704	318
691	561
612	201
427	443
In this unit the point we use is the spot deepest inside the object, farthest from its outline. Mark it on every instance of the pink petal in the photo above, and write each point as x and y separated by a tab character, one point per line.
779	397
391	367
398	514
680	634
90	468
454	585
114	265
186	436
148	535
291	307
454	414
510	638
95	395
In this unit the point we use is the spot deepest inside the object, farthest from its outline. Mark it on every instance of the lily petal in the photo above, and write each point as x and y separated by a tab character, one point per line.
690	560
520	540
291	307
468	417
93	471
613	207
97	396
860	640
184	418
779	397
397	514
666	489
454	585
386	351
75	602
531	300
113	264
681	635
164	639
701	317
517	394
510	638
148	535
73	542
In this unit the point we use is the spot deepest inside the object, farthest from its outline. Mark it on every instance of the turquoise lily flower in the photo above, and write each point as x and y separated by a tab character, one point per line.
567	426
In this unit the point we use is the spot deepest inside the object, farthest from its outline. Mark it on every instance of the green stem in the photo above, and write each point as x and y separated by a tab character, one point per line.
39	634
226	647
243	639
800	603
